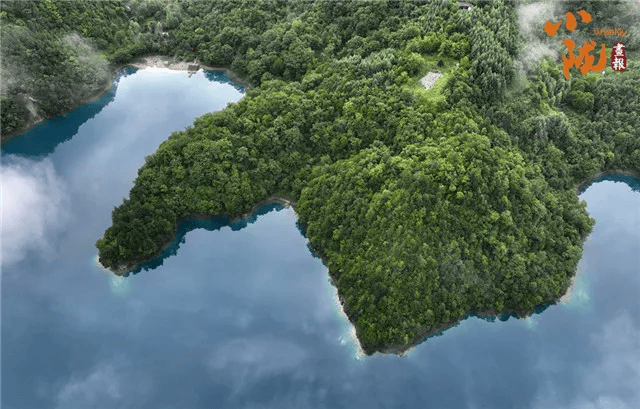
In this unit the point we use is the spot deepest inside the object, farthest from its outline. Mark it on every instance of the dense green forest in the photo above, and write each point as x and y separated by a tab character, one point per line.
425	205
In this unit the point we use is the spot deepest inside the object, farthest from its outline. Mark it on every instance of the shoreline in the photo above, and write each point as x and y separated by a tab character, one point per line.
580	189
403	350
121	270
354	332
139	63
38	119
567	295
584	185
171	63
398	349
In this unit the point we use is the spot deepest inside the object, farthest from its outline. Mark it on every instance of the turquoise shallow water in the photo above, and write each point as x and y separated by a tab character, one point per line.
242	315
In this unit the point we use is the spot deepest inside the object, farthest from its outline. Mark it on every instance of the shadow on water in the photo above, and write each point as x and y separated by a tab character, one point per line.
314	253
43	139
538	309
632	182
222	77
212	224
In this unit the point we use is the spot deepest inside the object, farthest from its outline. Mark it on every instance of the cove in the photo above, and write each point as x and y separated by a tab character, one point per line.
243	315
210	224
42	139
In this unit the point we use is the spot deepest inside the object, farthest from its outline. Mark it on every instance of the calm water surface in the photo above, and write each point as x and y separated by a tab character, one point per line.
243	316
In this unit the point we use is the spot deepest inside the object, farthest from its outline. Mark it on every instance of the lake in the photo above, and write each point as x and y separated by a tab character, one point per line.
243	316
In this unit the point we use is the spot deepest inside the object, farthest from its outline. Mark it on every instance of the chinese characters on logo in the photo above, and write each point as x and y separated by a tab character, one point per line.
618	57
585	61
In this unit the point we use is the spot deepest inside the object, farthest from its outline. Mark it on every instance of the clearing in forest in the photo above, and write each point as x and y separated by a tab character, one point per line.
429	80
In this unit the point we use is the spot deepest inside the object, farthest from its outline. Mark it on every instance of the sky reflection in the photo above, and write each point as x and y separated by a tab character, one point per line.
247	318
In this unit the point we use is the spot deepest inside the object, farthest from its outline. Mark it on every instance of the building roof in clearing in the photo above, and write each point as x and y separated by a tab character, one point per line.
429	80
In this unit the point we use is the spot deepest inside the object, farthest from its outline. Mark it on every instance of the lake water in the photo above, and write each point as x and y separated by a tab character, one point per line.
244	316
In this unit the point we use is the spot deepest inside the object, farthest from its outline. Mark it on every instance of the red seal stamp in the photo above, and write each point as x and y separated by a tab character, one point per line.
618	57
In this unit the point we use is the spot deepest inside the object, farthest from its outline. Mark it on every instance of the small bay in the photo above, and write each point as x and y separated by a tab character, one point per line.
242	315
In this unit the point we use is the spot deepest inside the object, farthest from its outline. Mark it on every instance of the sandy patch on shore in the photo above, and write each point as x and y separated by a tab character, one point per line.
160	61
567	296
352	329
163	61
100	267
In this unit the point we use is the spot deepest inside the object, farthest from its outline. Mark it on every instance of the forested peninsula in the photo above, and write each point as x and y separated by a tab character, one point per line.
426	205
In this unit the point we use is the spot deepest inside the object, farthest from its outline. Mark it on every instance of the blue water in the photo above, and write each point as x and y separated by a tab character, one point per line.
242	315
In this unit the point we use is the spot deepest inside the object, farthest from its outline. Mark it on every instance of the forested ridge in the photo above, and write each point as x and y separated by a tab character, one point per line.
425	205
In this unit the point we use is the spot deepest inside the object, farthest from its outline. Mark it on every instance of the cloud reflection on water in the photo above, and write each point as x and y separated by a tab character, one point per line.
34	207
246	318
109	384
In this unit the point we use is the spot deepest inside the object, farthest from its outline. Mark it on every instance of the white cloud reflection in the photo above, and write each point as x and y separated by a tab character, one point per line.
611	382
34	205
107	385
248	360
100	384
